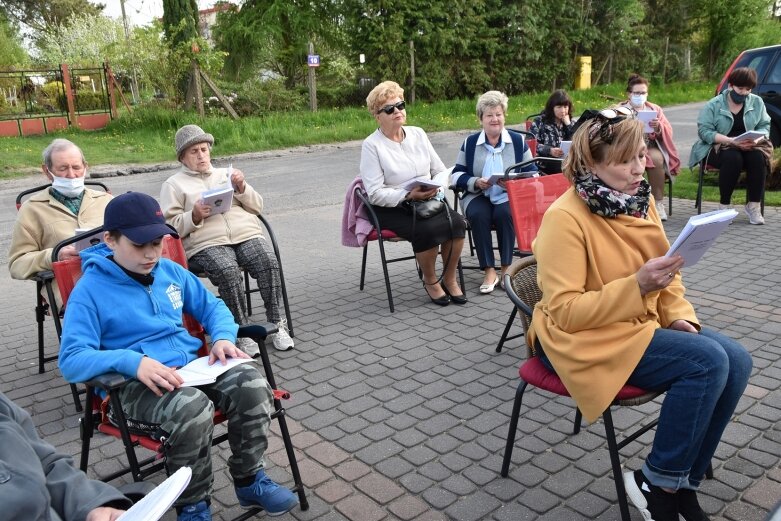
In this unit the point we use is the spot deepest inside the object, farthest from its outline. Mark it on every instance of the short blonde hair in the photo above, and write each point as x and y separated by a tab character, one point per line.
382	93
492	98
585	152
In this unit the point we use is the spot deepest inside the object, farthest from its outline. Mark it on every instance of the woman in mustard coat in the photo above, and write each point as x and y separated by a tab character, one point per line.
613	312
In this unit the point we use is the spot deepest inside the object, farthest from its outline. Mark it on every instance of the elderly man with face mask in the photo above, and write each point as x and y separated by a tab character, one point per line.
53	215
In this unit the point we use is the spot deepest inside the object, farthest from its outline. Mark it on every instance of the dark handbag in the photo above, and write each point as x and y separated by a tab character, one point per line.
426	209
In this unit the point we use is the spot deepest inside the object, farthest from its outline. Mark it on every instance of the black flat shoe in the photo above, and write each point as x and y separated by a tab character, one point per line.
444	300
457	299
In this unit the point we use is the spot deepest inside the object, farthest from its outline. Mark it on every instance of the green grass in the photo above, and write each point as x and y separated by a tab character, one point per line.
685	187
147	134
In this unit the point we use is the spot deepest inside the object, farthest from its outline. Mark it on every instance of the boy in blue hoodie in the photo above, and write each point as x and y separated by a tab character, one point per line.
125	315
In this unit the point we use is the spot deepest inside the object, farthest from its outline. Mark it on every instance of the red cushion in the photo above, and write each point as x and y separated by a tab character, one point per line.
533	372
386	234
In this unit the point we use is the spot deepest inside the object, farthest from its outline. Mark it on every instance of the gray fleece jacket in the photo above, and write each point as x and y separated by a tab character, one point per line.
37	483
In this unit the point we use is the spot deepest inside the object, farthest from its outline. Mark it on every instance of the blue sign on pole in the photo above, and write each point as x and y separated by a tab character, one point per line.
313	60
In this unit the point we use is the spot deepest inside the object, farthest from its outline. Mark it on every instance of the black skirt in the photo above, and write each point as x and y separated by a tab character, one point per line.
428	233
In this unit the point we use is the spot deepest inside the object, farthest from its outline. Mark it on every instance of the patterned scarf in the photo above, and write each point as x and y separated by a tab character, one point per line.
603	200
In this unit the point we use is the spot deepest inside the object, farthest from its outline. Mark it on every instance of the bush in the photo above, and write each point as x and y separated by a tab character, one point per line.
86	100
256	97
52	96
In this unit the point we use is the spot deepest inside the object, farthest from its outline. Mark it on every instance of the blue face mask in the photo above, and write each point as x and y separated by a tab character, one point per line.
737	98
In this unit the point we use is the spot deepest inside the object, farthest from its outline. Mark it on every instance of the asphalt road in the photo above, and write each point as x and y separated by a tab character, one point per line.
304	177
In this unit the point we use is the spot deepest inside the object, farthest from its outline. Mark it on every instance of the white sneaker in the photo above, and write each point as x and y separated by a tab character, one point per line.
661	211
754	212
282	340
249	346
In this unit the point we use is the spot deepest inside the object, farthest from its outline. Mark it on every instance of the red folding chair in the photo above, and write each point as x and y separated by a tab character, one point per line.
529	199
96	418
47	305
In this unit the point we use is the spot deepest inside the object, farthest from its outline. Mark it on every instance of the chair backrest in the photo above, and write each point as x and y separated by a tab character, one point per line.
67	273
174	250
529	199
523	289
25	193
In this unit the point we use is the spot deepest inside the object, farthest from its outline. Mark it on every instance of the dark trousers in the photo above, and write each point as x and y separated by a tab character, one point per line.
731	162
482	215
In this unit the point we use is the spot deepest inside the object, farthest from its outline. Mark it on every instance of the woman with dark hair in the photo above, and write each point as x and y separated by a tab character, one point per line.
721	120
552	127
613	312
662	158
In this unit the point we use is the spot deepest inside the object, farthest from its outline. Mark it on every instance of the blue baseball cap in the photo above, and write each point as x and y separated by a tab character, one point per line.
138	217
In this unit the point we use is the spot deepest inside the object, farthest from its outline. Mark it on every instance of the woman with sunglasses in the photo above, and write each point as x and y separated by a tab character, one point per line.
613	312
553	126
391	157
662	158
721	120
486	205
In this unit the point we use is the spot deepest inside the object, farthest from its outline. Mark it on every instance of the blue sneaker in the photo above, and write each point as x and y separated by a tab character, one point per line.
197	512
274	499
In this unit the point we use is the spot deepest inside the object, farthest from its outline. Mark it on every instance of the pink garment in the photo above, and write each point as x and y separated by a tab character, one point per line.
355	223
665	141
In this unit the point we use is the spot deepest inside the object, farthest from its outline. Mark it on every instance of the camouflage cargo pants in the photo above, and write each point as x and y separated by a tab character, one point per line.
185	418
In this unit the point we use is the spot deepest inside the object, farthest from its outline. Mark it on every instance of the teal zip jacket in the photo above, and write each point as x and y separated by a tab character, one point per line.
113	321
715	118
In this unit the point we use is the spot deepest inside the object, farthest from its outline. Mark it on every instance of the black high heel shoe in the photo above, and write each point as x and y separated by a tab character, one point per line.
457	299
444	300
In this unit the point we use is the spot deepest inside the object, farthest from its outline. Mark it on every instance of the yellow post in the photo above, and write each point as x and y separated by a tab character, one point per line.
583	80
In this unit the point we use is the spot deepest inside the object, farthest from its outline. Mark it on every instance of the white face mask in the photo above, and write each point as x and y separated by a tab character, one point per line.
638	100
69	187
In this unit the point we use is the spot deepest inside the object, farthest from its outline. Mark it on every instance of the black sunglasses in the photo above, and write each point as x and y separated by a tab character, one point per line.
388	109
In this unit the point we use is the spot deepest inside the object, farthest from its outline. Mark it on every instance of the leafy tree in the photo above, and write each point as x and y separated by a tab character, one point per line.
180	20
45	16
85	40
12	54
274	35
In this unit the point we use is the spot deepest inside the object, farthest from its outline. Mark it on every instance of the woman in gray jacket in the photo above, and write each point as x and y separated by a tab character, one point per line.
39	483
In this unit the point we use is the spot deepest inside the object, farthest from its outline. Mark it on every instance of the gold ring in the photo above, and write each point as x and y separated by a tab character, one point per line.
670	274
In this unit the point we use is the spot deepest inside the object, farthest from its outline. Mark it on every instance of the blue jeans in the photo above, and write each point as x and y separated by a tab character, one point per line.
703	376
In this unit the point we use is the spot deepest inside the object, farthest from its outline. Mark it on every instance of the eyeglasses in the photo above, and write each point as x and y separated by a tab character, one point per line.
639	93
388	109
606	118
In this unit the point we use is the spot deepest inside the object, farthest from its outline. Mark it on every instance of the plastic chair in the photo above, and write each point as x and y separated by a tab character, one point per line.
529	199
381	236
47	305
248	289
95	417
706	168
521	287
459	194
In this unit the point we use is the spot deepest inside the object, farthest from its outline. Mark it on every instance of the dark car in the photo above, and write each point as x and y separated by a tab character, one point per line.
767	62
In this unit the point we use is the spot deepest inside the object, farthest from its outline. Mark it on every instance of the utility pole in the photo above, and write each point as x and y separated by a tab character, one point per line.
134	83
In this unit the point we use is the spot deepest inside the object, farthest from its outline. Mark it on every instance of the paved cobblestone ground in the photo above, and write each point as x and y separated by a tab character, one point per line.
403	416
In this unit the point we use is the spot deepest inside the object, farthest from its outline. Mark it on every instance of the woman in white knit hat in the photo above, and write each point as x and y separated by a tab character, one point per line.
222	242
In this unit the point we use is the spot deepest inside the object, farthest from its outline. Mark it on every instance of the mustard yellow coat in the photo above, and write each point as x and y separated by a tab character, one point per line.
592	321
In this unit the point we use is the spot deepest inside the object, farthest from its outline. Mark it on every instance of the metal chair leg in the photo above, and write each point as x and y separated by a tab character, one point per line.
506	330
618	477
508	449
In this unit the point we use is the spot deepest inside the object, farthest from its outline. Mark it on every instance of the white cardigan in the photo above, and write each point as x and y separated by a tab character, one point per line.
386	164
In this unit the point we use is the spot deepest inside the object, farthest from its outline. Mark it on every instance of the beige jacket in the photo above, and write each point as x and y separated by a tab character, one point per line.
592	321
42	223
182	190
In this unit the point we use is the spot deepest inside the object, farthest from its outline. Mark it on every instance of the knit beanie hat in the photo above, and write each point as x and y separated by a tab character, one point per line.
189	135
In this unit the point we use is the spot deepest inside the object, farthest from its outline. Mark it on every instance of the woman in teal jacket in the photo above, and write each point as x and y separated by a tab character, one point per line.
723	118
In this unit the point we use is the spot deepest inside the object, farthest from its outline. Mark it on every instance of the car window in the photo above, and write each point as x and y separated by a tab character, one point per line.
758	62
774	77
